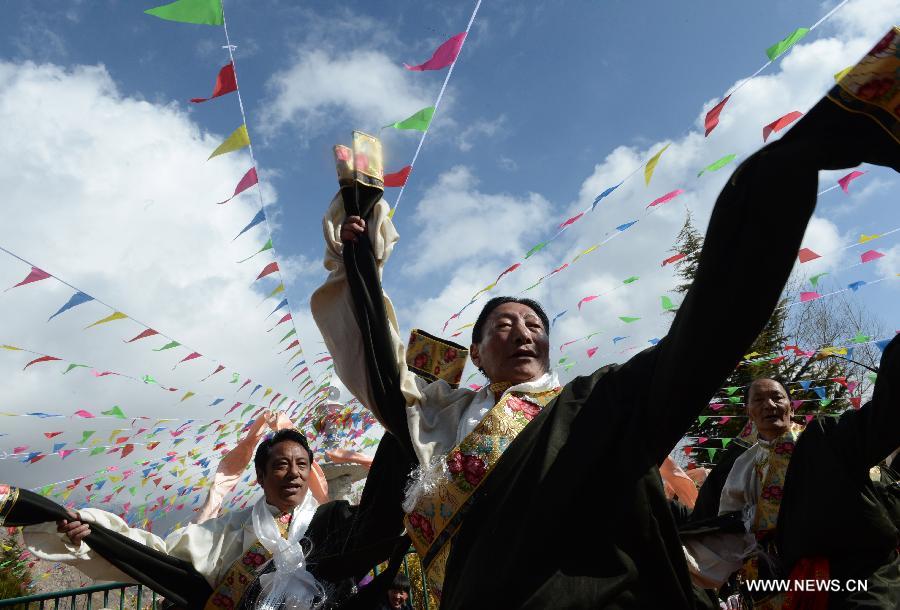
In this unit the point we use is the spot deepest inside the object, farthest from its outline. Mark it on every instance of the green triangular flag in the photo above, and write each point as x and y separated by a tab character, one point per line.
717	165
563	359
293	331
235	377
667	304
97	450
268	246
249	407
132	490
238	139
734	399
633	278
814	280
419	121
46	489
712	453
114	412
72	366
702	419
204	12
168	345
536	249
825	402
725	442
85	435
628	319
872	377
148	379
731	390
861	338
779	48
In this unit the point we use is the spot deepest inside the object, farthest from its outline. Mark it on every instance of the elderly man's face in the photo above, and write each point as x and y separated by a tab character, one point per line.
286	475
770	408
514	347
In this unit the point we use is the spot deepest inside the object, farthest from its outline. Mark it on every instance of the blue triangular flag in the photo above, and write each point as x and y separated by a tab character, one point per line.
216	401
806	384
77	299
603	195
625	226
617	339
820	392
558	316
855	285
254	389
882	344
280	305
260	216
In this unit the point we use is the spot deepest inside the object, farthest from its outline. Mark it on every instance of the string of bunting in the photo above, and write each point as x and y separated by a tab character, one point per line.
711	121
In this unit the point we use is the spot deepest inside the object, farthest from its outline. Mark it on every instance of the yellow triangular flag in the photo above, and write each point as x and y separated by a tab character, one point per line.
12	348
297	353
116	315
187	395
279	288
842	74
238	139
863	238
267	392
651	164
588	251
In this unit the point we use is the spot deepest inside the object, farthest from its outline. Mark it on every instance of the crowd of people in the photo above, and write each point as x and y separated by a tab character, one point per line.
496	489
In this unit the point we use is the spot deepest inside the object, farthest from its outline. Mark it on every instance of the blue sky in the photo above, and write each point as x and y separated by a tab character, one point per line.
108	184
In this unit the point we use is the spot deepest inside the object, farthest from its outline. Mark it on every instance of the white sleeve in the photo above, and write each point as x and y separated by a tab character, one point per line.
332	307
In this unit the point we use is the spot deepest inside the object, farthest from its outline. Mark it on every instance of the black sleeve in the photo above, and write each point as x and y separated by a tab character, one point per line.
750	247
869	435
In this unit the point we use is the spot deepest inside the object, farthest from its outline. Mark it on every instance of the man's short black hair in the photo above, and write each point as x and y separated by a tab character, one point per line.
400	583
478	329
265	447
777	380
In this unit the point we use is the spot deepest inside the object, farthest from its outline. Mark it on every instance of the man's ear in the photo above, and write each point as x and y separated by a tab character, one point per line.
474	355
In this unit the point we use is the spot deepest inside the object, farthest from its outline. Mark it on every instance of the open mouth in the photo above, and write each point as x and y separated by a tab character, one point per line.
292	489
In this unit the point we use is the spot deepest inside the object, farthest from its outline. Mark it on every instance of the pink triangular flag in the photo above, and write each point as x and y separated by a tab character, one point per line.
587	299
809	296
572	220
805	255
846	180
36	275
870	255
83	413
591	351
443	56
779	124
246	182
64	453
666	197
712	117
397	179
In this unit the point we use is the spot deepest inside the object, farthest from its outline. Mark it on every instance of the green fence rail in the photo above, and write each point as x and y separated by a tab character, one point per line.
130	597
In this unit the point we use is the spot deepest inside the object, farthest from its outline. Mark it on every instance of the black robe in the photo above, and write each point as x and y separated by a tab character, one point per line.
537	534
831	508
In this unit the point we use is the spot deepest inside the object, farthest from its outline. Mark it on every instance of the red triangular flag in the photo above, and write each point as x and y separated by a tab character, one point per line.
218	369
36	275
52	434
674	259
397	179
268	269
147	333
190	356
41	359
712	117
805	255
856	401
225	83
779	124
246	182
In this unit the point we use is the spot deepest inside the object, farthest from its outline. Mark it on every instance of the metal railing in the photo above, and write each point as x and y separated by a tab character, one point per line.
83	598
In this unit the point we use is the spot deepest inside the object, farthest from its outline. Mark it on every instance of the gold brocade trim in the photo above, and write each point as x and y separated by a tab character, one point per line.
432	358
8	497
242	573
434	520
872	86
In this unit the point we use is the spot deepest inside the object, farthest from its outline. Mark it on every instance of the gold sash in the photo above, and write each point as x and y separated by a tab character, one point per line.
437	516
243	573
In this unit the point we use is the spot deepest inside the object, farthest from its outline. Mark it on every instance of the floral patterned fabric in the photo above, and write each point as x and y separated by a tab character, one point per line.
8	496
436	516
432	358
873	85
240	576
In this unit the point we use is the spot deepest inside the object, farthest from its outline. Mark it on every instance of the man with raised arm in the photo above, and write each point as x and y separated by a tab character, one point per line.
500	502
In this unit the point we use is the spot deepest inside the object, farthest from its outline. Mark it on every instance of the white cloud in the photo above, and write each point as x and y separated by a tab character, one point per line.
323	87
115	195
481	127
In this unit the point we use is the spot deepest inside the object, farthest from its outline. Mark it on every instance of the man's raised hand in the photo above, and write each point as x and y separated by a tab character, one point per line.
353	227
75	529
